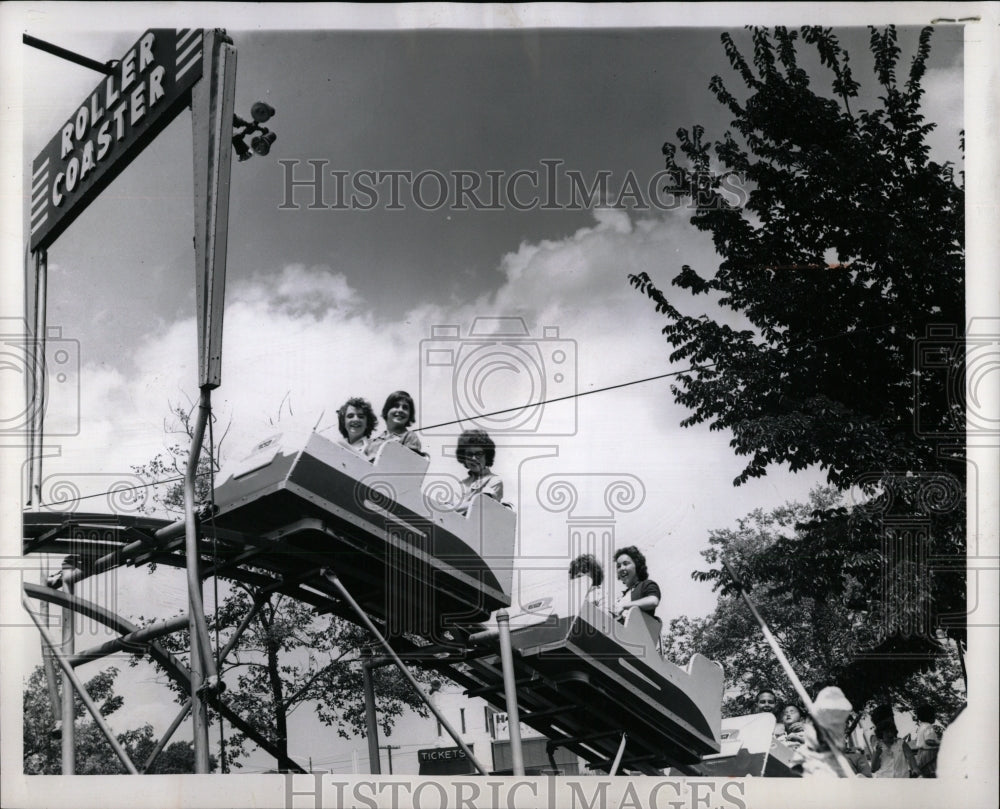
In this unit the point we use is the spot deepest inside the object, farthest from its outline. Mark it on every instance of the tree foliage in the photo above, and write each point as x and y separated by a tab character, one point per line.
165	472
290	658
94	755
843	275
822	636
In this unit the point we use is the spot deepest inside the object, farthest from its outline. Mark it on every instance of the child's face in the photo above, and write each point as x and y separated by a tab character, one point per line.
355	423
791	714
398	416
474	459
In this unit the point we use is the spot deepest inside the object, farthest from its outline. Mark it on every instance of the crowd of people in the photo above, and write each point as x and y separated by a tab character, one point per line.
884	755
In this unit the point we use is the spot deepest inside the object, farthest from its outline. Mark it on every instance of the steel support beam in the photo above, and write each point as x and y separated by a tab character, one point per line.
68	707
203	674
510	692
174	668
75	684
371	717
331	576
138	638
181	714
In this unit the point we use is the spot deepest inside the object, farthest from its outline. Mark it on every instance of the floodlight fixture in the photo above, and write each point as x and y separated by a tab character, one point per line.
260	112
262	143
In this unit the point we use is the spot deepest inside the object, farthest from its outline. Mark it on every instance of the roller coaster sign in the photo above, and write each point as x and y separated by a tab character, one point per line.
150	85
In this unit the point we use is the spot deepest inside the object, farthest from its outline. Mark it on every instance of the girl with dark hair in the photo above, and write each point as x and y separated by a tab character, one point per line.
476	452
356	420
398	412
926	741
586	565
640	591
892	757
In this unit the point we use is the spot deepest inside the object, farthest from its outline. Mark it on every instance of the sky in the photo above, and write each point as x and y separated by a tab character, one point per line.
323	303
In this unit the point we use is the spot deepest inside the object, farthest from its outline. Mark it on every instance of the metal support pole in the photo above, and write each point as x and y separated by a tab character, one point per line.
203	674
510	692
618	756
36	378
74	683
50	670
331	577
176	670
68	708
68	55
371	718
138	638
181	714
845	767
109	560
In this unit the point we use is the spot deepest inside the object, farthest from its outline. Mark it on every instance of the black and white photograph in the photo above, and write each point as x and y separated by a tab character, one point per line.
452	405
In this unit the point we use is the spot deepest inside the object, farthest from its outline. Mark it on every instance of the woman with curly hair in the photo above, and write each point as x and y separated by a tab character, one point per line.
356	420
476	452
641	592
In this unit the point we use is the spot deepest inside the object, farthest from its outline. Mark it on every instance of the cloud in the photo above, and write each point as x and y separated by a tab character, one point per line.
300	340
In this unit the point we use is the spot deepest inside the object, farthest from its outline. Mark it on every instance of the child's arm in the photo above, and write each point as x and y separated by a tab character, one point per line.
877	756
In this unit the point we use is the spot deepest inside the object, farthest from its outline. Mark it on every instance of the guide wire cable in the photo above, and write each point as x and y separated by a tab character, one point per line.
577	395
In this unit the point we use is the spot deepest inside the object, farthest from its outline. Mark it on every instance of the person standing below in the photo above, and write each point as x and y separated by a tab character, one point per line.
641	592
476	452
926	742
793	727
356	421
398	412
766	702
892	757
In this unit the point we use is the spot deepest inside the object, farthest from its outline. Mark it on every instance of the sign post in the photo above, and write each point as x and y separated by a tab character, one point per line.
126	110
163	72
212	102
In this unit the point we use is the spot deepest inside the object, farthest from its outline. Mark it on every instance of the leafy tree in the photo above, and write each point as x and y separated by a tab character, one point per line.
821	637
94	755
165	472
289	657
843	275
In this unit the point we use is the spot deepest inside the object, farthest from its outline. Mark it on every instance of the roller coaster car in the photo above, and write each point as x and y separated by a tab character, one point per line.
749	748
406	559
587	677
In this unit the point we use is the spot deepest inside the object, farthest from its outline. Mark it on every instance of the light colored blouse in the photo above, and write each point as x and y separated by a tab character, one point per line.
359	447
489	484
406	438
